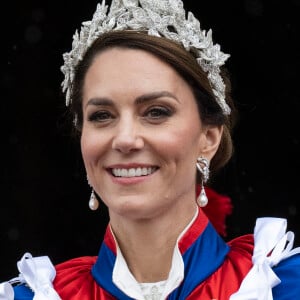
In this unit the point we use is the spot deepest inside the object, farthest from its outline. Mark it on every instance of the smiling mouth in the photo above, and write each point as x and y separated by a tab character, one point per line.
133	172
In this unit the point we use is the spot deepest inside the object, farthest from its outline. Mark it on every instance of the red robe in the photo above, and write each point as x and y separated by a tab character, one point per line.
212	269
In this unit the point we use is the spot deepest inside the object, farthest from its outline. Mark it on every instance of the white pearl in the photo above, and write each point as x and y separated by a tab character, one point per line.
93	203
202	198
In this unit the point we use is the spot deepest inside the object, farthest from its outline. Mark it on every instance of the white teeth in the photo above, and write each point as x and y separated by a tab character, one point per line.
133	172
144	171
138	172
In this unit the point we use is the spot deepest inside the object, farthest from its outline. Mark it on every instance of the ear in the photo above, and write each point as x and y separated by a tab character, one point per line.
210	141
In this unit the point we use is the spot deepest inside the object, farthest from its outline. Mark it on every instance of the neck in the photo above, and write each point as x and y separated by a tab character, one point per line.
148	244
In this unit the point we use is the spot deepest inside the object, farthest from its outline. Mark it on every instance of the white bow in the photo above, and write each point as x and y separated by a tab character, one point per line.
6	291
271	245
38	273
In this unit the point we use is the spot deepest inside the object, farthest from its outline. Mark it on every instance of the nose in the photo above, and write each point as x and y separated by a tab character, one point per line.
128	137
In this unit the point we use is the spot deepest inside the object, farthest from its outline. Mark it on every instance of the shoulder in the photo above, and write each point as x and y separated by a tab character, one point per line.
82	264
74	280
241	250
74	275
74	268
236	265
288	271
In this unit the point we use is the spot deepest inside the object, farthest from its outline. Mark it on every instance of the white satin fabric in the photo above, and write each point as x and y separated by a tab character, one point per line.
272	245
6	291
38	273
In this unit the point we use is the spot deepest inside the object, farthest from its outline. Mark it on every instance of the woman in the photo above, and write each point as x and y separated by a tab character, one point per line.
149	101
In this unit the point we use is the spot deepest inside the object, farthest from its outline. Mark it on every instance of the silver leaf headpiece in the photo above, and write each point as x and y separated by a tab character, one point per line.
155	17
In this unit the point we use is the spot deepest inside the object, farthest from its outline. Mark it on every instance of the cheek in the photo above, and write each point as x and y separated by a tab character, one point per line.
90	147
178	144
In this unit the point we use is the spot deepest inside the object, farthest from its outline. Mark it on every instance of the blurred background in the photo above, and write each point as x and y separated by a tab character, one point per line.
44	193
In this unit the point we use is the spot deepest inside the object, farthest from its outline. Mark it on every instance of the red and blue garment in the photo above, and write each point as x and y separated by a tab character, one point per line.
213	269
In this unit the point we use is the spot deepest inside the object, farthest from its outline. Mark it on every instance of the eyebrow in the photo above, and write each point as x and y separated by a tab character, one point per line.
100	101
154	95
139	100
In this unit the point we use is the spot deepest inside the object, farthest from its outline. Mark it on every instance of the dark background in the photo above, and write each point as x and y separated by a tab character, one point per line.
44	193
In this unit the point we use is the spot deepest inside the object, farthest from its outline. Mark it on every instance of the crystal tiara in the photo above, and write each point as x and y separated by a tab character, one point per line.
156	17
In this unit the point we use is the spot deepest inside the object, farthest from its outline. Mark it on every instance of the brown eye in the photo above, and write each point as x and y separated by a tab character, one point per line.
158	112
100	116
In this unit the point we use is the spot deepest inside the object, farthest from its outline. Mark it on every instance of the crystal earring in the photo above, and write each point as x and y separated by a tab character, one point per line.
203	167
93	202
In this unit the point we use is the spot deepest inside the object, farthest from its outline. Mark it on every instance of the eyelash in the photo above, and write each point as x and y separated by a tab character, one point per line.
159	112
100	116
153	113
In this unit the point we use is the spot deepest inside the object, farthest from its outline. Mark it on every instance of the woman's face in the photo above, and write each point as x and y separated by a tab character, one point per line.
141	134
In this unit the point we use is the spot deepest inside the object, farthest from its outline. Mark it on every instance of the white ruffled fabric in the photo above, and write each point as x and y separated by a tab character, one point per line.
272	245
6	291
38	273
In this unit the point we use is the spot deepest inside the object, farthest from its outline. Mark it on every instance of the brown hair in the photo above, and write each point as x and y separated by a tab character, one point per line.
183	62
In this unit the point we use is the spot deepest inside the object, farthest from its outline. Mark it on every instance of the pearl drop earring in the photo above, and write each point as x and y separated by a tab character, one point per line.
93	202
203	167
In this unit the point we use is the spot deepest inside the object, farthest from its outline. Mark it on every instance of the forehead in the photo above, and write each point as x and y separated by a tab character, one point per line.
115	61
130	68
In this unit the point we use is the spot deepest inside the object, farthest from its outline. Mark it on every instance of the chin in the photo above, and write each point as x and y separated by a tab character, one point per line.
134	208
